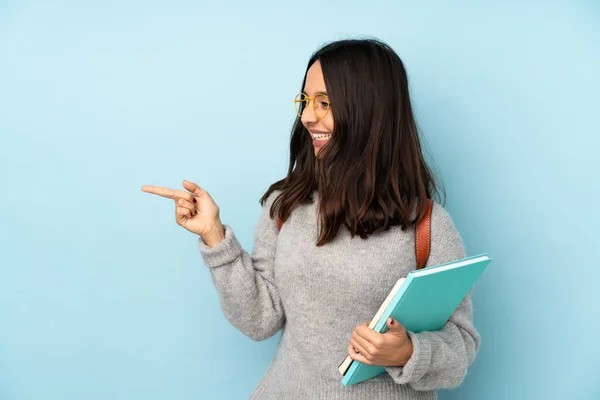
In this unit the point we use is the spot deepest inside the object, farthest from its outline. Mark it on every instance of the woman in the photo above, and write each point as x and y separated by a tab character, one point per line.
356	186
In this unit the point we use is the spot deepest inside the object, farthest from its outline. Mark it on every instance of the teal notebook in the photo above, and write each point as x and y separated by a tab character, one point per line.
423	301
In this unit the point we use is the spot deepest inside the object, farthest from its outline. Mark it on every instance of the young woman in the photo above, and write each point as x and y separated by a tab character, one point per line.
356	186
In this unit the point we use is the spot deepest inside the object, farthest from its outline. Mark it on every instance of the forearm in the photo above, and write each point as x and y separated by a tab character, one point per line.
440	359
247	293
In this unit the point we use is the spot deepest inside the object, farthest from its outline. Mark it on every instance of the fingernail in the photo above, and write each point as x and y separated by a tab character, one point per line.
391	321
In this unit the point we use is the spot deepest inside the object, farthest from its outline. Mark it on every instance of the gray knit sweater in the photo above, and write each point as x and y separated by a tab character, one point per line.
318	295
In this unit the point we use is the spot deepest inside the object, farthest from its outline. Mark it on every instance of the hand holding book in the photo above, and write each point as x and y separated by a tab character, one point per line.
423	301
392	348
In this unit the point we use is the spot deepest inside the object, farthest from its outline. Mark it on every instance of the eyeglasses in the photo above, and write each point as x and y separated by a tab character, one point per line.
320	104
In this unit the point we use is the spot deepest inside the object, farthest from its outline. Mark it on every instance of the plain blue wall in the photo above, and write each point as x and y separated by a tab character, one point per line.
103	296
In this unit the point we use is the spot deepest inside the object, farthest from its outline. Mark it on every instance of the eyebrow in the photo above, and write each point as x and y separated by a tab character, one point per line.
320	92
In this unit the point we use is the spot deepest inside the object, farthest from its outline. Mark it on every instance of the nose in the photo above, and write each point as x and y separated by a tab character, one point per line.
308	114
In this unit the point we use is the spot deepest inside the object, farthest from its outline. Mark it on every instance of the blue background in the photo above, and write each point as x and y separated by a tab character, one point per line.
103	296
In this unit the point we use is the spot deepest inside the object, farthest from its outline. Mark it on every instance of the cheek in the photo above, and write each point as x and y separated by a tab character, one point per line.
328	122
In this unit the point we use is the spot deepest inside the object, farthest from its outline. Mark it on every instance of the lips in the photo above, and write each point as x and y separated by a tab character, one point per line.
319	143
320	135
320	138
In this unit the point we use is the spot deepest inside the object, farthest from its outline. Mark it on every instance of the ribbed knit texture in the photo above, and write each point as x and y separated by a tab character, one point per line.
318	295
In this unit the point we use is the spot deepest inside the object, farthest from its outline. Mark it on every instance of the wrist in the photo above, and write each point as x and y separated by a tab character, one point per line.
409	350
406	353
215	236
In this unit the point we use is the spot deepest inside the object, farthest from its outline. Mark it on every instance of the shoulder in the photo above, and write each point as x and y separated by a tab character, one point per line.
266	227
271	198
268	203
441	217
445	237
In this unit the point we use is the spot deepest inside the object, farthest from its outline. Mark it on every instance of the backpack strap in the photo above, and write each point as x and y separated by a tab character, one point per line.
422	235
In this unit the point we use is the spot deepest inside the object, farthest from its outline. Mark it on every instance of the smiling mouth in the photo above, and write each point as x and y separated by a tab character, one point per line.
321	136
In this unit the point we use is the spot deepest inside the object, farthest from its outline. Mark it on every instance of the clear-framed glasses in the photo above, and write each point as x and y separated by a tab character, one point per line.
320	104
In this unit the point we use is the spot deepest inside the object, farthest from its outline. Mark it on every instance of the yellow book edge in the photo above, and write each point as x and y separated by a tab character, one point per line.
343	367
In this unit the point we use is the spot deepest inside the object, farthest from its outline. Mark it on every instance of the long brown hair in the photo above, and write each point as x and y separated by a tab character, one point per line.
371	174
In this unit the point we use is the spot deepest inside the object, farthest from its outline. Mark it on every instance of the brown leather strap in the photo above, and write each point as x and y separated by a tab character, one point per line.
423	236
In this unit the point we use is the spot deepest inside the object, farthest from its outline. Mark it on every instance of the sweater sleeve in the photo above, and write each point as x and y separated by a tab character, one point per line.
245	282
440	359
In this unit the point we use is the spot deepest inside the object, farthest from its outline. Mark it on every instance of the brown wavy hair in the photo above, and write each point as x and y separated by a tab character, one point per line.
371	174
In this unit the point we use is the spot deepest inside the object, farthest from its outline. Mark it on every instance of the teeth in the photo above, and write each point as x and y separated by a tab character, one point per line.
322	136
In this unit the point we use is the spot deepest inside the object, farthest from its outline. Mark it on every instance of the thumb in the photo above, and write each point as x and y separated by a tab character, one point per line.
193	188
394	325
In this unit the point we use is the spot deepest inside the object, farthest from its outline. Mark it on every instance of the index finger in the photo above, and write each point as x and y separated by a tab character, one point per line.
161	191
168	193
366	333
